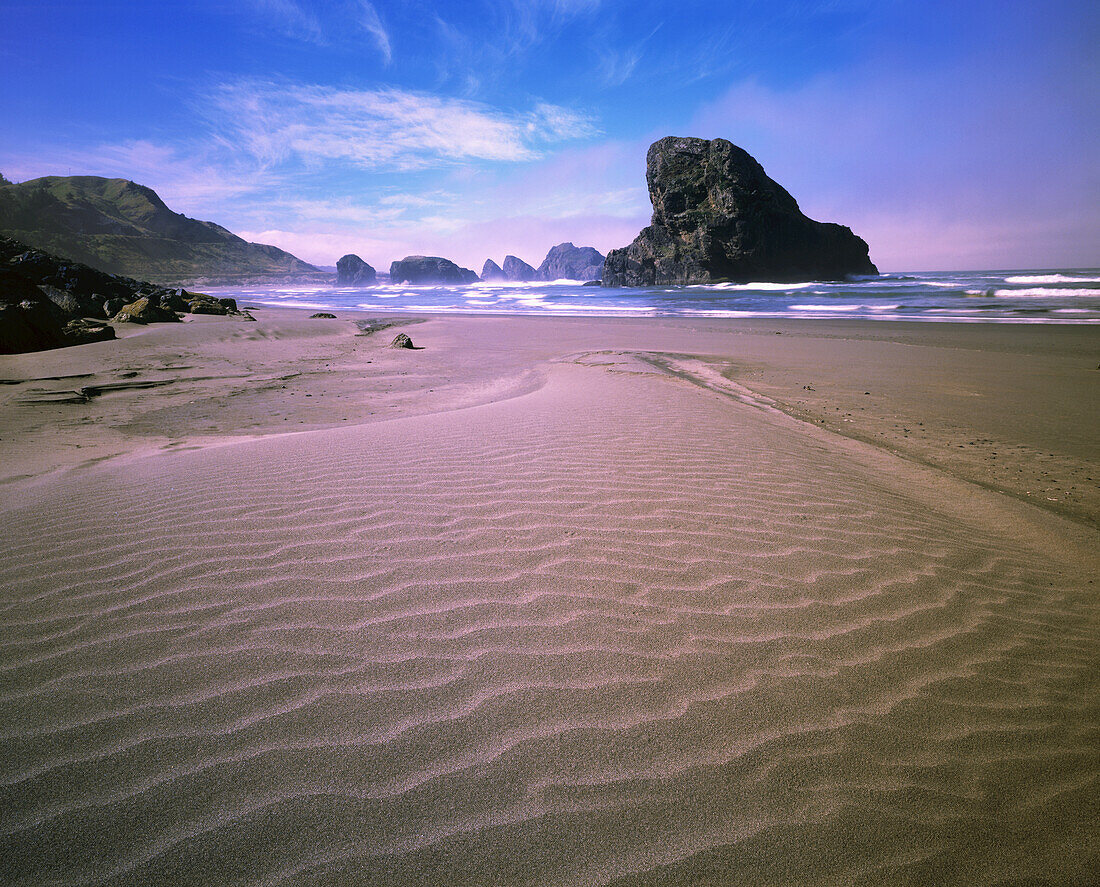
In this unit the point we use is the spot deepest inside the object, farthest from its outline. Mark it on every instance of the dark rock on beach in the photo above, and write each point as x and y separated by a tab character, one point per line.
718	217
50	302
147	309
323	315
491	271
353	271
429	269
402	341
518	270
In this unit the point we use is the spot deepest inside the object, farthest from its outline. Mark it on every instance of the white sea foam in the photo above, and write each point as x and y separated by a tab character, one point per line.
1046	292
758	286
826	307
1051	278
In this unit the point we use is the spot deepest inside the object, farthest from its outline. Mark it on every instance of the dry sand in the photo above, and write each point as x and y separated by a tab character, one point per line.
552	601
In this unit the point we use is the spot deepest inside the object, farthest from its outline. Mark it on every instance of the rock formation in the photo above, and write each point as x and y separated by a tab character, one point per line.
353	271
147	309
718	217
568	262
429	269
50	302
519	270
491	271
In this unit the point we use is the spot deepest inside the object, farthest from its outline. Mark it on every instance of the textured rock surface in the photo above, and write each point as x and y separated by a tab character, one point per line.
491	271
46	301
429	269
402	341
517	269
718	217
353	271
568	262
147	309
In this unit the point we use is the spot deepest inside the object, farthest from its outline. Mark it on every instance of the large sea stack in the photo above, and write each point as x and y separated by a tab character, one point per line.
353	271
429	269
718	217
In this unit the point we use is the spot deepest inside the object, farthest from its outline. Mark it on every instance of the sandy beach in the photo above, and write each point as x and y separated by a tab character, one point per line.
552	601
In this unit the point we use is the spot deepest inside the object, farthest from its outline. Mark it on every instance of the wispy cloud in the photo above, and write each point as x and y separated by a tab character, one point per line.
382	128
290	17
372	24
325	24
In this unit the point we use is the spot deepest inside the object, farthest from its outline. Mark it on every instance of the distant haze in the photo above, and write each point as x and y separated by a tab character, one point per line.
949	136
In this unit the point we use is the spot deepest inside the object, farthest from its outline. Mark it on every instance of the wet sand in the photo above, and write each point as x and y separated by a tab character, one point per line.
552	601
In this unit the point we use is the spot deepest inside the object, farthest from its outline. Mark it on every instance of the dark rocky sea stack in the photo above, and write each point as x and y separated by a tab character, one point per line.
353	271
519	270
429	269
491	271
568	262
718	217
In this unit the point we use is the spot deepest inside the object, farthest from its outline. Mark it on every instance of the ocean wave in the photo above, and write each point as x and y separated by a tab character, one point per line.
826	307
758	286
1050	278
1046	292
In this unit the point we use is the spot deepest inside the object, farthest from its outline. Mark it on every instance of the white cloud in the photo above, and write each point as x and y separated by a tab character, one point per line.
290	17
382	128
325	24
372	24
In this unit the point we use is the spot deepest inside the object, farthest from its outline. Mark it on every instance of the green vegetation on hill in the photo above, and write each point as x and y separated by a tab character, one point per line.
124	228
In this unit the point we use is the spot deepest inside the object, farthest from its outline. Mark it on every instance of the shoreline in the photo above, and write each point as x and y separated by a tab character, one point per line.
1005	408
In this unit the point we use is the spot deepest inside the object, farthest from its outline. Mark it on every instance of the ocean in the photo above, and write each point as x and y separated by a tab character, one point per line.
1041	296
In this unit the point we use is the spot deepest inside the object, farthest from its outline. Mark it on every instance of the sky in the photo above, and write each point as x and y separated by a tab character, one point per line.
949	135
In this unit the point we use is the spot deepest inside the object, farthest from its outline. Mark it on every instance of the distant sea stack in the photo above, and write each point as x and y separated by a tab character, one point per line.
120	227
518	270
491	271
718	217
568	262
353	271
429	269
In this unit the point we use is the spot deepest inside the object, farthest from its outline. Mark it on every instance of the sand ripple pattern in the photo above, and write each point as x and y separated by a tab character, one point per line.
616	631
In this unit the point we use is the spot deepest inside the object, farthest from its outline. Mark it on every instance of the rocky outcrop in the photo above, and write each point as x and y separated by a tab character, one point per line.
568	262
518	270
50	302
718	217
147	309
429	269
353	271
491	271
401	340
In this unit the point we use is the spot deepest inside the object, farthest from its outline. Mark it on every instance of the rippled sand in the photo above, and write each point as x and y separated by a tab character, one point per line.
620	629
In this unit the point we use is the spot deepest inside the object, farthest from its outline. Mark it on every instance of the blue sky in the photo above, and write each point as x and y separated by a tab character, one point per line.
948	134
